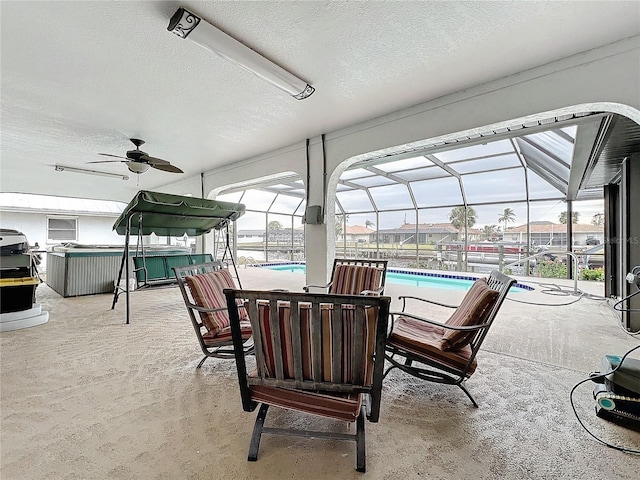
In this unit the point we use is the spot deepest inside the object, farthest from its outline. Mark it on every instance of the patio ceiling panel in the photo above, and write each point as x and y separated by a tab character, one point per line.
375	181
285	204
545	167
437	192
540	188
422	174
499	162
496	186
478	151
346	187
356	173
355	201
405	164
550	154
260	198
392	196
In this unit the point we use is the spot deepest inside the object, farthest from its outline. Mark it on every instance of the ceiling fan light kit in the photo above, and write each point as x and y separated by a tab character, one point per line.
136	167
186	24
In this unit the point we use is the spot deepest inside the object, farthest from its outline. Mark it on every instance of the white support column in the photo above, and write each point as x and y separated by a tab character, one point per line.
318	253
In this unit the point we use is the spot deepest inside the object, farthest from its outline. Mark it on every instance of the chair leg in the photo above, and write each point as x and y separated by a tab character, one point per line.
257	433
361	458
464	389
202	361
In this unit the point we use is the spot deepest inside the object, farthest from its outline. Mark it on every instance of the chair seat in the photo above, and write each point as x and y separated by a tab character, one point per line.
425	340
333	405
223	337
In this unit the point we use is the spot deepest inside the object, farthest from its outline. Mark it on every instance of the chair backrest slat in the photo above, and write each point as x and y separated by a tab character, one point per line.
315	331
359	331
336	344
296	341
257	336
276	338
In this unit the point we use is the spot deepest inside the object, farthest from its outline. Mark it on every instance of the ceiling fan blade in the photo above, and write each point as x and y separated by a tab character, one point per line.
109	161
154	160
166	167
138	161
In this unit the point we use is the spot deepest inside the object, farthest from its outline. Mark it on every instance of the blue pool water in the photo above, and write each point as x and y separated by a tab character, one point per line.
414	279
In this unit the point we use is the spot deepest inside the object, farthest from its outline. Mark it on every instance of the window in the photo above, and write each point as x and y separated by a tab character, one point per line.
62	229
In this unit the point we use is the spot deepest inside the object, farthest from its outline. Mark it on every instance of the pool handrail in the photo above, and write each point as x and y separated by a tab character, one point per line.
550	252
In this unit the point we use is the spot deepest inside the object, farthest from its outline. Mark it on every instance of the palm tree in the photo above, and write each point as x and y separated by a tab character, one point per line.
369	224
457	215
488	231
340	218
508	216
598	219
562	218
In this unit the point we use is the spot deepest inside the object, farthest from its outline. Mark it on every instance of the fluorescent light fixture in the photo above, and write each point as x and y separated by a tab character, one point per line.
186	24
65	168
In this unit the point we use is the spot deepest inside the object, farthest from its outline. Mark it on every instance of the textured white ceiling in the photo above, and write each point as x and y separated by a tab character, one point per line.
80	78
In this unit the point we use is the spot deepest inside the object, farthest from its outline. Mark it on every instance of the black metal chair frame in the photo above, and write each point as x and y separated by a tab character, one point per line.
363	262
225	349
434	370
372	393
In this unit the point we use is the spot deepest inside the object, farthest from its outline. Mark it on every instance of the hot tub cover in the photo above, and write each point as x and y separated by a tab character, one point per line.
175	215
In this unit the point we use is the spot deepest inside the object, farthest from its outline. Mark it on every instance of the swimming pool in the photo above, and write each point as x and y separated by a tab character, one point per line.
414	279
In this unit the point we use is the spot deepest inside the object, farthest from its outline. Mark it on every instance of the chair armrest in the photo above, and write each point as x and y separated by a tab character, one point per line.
404	299
307	287
204	309
468	328
377	292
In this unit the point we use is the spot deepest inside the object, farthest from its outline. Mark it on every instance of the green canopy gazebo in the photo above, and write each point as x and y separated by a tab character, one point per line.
171	215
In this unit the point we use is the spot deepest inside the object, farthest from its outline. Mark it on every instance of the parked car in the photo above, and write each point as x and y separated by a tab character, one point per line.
593	257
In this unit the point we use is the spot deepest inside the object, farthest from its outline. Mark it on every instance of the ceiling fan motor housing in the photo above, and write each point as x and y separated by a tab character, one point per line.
135	154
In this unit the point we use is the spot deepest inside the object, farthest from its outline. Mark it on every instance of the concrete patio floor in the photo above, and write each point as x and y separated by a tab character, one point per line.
86	396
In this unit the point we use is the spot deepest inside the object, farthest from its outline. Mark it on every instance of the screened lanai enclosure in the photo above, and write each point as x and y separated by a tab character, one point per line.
516	199
272	228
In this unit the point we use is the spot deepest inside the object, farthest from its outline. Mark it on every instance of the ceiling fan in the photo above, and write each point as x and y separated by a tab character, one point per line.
139	162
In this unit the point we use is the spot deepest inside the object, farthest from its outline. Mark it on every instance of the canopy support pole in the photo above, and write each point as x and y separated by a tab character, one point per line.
116	291
227	249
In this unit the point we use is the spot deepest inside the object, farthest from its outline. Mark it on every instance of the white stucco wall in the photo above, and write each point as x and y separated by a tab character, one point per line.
91	229
607	79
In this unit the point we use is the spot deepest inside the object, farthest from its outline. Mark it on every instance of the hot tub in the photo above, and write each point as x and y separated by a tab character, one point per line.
74	270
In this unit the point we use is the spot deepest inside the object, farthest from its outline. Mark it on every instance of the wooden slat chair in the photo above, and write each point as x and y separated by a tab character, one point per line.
446	352
315	353
355	277
201	286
